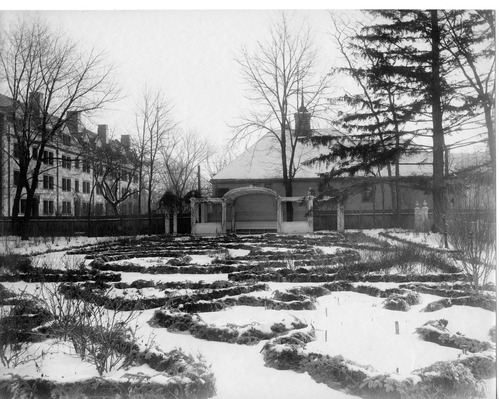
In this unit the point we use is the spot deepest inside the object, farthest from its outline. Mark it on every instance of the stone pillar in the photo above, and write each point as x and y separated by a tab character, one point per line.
175	223
424	217
340	219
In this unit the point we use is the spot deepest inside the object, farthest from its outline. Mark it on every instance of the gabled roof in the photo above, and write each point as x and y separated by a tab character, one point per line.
5	101
262	161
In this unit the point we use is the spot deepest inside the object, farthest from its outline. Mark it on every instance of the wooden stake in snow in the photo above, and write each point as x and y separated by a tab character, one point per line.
326	312
397	327
325	335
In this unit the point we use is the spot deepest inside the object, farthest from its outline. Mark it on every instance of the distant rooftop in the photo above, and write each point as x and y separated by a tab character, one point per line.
262	161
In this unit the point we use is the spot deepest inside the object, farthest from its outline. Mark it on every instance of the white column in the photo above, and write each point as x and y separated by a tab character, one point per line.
233	216
224	217
279	214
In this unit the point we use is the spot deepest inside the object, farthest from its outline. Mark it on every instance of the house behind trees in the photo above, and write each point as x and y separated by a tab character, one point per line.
67	183
366	199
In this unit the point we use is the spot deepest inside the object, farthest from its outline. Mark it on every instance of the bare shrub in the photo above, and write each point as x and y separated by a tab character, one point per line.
105	337
471	227
18	329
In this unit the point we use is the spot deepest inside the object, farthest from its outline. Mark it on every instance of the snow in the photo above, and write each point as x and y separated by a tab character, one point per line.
208	278
37	245
143	262
250	316
236	253
275	249
431	240
357	327
332	250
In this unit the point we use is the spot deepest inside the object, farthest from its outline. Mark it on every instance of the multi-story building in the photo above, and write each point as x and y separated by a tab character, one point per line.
67	183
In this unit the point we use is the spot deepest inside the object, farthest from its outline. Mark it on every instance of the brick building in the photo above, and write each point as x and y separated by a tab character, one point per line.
67	181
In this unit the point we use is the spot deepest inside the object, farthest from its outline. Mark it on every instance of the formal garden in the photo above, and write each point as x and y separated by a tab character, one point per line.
378	314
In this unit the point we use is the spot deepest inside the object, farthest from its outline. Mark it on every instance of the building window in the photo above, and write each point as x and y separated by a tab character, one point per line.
66	207
98	189
66	139
48	207
86	166
66	184
77	163
48	182
84	208
16	177
66	162
48	157
86	187
368	194
77	186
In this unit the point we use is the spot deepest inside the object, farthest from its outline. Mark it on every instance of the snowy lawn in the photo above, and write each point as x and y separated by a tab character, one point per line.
346	323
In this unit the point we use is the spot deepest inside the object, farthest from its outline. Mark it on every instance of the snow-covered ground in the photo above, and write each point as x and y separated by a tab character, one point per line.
350	324
431	240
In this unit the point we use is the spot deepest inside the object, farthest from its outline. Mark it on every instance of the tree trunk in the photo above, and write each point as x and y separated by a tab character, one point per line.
30	197
288	188
438	131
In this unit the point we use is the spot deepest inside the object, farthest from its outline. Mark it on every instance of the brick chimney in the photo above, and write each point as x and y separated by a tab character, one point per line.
125	140
102	133
36	106
73	121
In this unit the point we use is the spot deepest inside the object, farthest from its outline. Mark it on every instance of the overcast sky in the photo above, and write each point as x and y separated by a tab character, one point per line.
188	54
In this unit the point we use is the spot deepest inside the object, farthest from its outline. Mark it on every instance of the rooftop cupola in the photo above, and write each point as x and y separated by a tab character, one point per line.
302	120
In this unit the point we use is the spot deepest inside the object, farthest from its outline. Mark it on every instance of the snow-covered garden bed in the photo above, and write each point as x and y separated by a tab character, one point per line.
240	303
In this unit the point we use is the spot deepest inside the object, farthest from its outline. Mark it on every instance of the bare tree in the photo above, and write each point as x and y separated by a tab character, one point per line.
115	170
47	75
471	227
275	74
471	42
153	125
181	160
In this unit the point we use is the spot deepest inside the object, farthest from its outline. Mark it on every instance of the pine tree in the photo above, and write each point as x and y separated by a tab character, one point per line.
408	71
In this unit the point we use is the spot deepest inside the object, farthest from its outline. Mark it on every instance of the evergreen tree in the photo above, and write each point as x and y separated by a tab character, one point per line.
409	72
